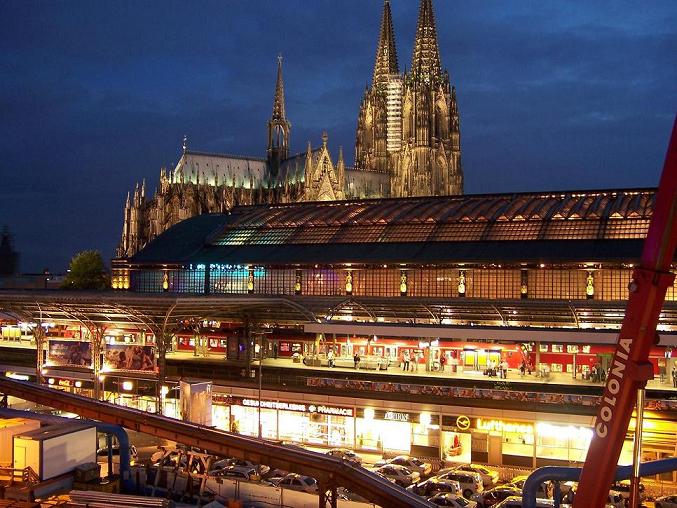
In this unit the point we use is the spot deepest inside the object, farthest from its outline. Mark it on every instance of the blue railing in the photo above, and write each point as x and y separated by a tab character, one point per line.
558	474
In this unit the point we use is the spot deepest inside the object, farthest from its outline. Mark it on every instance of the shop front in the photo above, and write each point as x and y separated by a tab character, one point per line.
304	423
125	389
77	382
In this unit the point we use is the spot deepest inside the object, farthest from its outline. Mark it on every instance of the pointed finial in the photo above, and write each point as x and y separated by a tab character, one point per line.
425	62
340	157
279	112
185	143
325	138
386	51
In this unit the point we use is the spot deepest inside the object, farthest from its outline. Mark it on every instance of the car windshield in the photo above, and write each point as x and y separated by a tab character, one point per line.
311	481
405	471
461	501
417	462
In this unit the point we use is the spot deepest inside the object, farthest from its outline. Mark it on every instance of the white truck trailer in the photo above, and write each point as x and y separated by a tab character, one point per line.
55	449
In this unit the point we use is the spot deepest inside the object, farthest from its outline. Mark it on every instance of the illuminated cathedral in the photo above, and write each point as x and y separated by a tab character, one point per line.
407	144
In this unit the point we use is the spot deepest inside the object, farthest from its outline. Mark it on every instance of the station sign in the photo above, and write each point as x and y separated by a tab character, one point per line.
298	407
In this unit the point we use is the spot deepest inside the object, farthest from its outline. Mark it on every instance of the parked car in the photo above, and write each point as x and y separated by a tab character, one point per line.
614	500
423	468
433	486
544	489
623	488
489	476
471	483
236	473
299	482
494	496
223	463
454	500
347	495
345	454
102	454
666	502
516	502
398	474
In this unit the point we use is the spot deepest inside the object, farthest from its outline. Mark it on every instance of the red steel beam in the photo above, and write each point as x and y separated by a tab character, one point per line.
631	369
329	471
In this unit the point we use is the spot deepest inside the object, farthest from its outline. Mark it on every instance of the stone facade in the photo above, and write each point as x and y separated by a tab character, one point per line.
408	125
407	145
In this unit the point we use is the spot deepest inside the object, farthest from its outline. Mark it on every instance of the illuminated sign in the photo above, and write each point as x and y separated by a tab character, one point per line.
463	422
302	408
396	416
18	377
501	426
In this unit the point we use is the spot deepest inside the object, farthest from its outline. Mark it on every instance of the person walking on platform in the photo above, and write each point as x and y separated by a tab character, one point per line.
674	376
356	361
406	358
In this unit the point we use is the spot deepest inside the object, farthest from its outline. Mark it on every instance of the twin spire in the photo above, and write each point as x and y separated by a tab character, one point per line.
386	53
425	60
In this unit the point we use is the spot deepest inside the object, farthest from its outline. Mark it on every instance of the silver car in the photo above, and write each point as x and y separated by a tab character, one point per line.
399	474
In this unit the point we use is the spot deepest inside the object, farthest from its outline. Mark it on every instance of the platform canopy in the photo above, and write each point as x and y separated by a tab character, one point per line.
163	313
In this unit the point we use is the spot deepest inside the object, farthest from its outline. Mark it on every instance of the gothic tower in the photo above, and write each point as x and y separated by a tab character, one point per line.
379	118
408	125
278	126
429	161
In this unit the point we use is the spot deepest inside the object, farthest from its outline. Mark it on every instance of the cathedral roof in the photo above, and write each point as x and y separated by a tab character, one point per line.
209	168
580	226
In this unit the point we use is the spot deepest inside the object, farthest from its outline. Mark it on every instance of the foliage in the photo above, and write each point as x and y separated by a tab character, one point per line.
87	271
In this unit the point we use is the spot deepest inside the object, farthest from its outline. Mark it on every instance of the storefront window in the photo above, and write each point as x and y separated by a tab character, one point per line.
245	421
382	435
563	443
519	443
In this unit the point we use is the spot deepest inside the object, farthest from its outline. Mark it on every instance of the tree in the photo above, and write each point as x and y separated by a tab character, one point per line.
87	271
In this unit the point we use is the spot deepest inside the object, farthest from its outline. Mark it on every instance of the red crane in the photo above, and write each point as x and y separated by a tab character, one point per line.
630	368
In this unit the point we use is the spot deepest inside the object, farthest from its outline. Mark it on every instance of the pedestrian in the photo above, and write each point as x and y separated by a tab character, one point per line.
523	368
356	361
418	355
674	376
330	358
504	369
406	358
275	350
595	374
443	362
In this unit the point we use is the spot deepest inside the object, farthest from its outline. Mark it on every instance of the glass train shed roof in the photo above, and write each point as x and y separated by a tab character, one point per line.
386	229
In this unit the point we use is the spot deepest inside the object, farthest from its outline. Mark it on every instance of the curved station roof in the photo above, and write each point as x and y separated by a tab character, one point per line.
557	226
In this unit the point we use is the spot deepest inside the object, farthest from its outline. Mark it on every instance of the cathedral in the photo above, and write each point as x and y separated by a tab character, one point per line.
407	144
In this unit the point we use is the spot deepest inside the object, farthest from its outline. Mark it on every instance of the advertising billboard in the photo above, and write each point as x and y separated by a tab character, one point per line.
69	353
196	402
129	357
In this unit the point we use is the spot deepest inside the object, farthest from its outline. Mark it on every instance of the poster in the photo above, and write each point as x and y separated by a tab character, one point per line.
196	403
456	447
129	357
69	353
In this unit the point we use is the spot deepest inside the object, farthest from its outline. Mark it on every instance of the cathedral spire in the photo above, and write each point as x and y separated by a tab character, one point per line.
278	102
278	126
386	52
425	61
